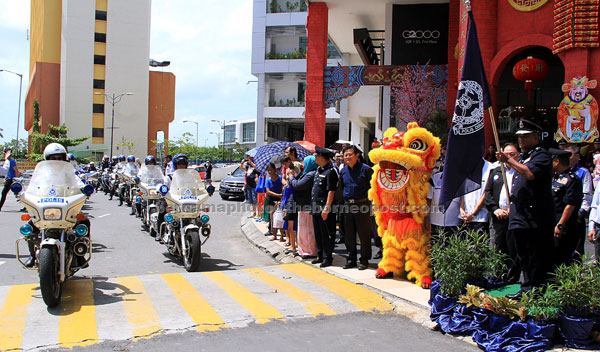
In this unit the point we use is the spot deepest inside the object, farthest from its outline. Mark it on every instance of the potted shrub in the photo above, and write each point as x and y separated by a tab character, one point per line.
578	290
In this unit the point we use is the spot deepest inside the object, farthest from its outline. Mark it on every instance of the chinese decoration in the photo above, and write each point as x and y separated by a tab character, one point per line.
578	112
527	5
530	70
575	24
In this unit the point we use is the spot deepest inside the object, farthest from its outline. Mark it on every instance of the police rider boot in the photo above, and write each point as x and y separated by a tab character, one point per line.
30	263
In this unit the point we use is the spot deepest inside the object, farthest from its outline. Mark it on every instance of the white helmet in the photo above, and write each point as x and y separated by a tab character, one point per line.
54	149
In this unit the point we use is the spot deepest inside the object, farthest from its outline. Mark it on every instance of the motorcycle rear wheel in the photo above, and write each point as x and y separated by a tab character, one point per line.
49	279
191	261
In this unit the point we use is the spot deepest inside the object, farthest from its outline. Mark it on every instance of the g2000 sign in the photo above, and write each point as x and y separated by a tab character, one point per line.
420	34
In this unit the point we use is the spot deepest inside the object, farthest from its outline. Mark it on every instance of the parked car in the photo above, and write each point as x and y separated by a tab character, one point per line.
232	185
201	170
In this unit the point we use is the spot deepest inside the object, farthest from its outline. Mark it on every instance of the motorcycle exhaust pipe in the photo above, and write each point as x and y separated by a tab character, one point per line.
80	249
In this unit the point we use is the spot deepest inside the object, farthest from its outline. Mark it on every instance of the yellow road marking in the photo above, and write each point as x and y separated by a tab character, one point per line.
13	316
139	309
194	304
359	296
308	301
262	311
77	324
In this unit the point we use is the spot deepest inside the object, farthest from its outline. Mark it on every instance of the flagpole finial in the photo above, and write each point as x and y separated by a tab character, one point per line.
468	5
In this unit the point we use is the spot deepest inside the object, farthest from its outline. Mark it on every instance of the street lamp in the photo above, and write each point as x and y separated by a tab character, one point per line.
222	124
197	142
18	111
113	99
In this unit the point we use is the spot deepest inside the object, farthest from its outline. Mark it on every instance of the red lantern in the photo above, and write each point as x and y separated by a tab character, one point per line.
530	70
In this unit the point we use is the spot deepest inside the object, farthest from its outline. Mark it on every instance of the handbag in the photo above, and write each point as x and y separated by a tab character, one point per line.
278	219
260	184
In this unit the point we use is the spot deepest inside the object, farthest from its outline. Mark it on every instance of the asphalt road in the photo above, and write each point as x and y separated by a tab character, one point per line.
122	248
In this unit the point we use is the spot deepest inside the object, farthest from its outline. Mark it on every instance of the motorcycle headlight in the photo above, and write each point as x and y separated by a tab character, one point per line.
152	192
52	214
188	208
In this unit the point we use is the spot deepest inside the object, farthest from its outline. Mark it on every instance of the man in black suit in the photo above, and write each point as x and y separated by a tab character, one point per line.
497	202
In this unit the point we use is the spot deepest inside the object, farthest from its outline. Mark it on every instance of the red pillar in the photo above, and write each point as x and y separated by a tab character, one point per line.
316	60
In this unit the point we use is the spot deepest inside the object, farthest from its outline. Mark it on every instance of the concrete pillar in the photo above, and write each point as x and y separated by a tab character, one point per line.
260	108
316	60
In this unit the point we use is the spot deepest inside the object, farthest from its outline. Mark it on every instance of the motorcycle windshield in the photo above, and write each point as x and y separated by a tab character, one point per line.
53	178
151	174
187	182
130	170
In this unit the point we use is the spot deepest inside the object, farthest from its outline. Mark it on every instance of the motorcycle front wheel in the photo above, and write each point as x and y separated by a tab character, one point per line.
49	279
191	261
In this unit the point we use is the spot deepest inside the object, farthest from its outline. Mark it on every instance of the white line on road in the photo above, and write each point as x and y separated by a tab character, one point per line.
2	263
101	216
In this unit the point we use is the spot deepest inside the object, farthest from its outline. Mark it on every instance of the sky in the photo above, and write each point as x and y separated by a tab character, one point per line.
208	42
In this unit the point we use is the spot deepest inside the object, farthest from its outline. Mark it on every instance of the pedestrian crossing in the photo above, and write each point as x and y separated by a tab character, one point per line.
140	307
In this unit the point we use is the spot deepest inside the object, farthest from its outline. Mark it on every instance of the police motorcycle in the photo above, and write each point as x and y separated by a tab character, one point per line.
57	232
183	223
148	197
131	181
116	178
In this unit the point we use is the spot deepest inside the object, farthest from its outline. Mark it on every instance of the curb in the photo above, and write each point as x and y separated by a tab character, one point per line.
262	242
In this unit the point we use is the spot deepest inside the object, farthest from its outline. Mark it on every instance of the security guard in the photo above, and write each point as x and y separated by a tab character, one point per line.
568	194
322	197
531	203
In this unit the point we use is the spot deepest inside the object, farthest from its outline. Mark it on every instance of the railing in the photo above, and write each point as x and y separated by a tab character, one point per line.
296	54
279	6
286	103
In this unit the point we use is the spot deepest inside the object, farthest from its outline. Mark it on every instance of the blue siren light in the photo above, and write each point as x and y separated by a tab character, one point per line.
81	230
16	187
204	218
88	190
168	217
164	189
136	179
26	230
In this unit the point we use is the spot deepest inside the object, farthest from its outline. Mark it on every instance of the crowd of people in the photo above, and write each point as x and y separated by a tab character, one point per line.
539	210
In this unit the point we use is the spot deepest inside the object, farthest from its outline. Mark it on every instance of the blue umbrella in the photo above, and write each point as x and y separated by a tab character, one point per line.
272	153
252	152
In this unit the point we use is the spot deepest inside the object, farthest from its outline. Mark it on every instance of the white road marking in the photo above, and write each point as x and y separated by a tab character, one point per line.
2	263
101	216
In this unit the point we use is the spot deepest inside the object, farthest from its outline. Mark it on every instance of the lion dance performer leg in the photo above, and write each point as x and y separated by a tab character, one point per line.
399	189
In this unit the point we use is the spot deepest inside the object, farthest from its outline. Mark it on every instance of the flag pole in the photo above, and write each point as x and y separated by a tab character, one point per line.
494	129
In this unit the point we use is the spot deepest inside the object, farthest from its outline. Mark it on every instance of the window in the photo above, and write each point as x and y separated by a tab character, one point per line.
98	108
303	42
301	89
272	101
248	132
101	15
98	84
98	132
100	37
230	134
99	60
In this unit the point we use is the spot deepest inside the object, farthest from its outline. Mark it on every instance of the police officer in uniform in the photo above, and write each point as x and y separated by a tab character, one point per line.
568	194
322	197
531	203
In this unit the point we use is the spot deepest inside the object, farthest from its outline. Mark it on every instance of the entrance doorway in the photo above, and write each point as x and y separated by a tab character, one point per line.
512	102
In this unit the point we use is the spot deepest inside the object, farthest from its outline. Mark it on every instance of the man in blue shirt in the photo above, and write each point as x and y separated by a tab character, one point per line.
11	165
355	179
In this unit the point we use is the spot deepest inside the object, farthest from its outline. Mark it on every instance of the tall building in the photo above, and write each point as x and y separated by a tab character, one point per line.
279	43
88	56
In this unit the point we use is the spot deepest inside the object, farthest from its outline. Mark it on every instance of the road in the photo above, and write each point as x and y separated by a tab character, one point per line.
134	296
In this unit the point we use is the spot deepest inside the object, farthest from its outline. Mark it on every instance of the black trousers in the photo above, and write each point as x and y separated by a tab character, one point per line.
567	248
534	253
505	242
7	183
357	221
324	236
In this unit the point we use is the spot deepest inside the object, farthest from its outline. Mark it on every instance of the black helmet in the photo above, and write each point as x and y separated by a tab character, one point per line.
181	159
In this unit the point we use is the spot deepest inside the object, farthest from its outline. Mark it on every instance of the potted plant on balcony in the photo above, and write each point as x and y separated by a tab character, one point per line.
578	290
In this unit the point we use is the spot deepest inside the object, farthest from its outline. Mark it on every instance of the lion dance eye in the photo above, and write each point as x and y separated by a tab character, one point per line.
417	144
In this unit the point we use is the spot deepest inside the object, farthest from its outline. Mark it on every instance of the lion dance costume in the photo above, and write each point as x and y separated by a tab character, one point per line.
399	189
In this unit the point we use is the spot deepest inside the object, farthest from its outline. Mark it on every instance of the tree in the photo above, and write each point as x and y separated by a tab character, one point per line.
414	98
127	144
56	134
35	143
17	153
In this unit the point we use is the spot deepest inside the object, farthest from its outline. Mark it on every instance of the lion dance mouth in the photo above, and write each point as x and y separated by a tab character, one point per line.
392	177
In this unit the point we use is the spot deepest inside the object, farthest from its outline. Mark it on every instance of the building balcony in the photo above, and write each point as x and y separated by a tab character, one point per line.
281	112
285	65
283	6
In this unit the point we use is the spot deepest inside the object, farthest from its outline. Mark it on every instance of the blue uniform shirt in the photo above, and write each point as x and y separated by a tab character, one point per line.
10	174
356	181
531	202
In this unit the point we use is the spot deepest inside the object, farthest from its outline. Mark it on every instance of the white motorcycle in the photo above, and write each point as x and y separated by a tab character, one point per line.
151	178
183	224
56	227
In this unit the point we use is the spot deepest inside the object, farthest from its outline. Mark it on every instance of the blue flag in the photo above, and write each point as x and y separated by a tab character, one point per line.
466	140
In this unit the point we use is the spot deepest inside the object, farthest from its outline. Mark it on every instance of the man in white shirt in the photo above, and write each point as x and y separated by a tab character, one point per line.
473	213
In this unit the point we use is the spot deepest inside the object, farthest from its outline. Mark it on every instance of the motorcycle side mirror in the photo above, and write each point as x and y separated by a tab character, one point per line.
16	187
163	189
88	190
